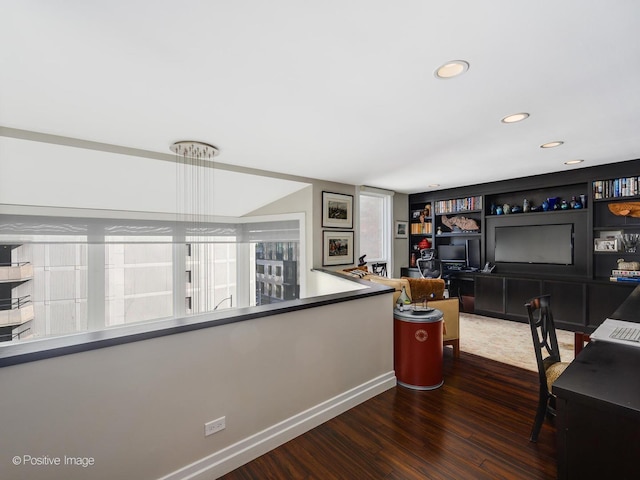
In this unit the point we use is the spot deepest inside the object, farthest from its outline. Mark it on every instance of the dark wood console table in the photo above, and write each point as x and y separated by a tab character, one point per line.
598	408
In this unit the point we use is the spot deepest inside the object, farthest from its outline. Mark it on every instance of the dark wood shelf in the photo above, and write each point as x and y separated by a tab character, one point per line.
616	227
617	253
617	199
458	212
548	212
459	234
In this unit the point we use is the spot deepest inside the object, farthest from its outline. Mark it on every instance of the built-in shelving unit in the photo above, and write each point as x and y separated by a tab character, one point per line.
420	229
608	227
577	202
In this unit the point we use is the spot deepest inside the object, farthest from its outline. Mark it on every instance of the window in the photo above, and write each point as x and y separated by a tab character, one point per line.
138	281
375	226
95	273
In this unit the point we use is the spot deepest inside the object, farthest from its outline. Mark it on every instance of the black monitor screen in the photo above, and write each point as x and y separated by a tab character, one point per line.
452	253
473	252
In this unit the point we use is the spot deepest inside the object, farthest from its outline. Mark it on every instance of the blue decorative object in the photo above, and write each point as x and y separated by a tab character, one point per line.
564	205
498	210
576	203
516	209
553	203
545	206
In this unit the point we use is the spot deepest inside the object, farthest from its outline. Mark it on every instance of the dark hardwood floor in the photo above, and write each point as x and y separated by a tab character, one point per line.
476	426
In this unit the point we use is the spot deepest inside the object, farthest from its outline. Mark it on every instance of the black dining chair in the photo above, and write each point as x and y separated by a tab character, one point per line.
545	343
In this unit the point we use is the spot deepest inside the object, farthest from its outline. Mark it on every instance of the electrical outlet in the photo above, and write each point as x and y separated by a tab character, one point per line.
215	426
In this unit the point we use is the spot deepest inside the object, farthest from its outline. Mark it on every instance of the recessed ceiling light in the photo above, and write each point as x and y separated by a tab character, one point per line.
451	69
516	117
551	144
573	162
433	185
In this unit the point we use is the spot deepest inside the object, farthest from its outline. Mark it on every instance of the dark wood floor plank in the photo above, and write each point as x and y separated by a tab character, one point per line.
475	426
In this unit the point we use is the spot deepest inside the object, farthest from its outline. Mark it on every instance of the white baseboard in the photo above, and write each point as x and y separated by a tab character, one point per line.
236	455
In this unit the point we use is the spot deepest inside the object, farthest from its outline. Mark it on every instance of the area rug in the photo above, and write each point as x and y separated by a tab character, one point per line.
506	341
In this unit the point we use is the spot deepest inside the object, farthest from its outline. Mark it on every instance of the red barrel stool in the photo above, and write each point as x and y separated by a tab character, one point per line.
417	352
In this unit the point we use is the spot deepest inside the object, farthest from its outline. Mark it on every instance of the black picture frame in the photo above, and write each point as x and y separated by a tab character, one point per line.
337	210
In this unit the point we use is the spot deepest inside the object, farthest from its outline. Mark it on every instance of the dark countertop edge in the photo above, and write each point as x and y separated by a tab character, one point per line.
537	276
50	347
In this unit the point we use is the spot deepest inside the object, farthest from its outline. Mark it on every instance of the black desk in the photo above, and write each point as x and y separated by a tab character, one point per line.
598	408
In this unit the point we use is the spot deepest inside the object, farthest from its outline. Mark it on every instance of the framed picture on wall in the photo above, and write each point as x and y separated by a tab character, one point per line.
337	210
337	247
401	229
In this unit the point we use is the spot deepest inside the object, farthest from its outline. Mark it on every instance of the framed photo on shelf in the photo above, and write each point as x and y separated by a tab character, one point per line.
402	228
337	210
337	247
606	245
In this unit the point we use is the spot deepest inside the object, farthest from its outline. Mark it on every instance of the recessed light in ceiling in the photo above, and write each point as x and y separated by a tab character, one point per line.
451	69
433	185
516	117
551	144
573	162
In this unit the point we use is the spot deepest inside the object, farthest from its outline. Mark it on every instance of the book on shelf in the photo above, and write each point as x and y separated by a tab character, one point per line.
625	273
616	188
458	205
625	279
421	228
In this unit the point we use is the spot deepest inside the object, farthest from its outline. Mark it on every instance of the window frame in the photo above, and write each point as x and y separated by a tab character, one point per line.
387	227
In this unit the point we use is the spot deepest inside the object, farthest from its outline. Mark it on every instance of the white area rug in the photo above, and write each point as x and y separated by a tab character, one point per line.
506	341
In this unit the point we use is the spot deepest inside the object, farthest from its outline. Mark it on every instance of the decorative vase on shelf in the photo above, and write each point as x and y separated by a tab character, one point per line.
424	243
583	200
630	241
545	206
564	205
525	205
403	299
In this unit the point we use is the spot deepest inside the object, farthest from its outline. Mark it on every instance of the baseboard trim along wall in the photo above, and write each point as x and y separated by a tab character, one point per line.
234	456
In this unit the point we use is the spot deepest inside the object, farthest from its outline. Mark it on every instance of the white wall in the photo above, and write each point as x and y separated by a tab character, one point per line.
400	248
139	409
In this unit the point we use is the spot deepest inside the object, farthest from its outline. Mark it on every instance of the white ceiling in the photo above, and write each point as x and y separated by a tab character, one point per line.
336	90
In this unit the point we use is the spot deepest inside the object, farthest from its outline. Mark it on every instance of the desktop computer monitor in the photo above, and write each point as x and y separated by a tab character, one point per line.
473	253
452	253
453	257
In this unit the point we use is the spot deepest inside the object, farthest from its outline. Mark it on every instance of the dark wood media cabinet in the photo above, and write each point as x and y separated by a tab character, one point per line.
583	296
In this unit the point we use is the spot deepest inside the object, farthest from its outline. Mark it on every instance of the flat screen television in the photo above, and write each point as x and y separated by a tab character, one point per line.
544	244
